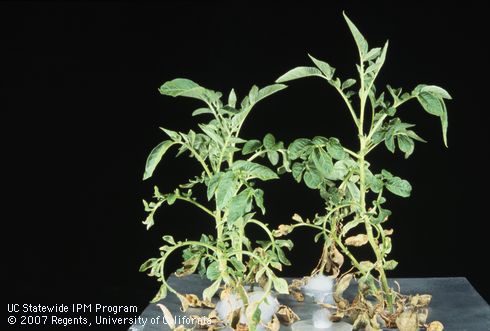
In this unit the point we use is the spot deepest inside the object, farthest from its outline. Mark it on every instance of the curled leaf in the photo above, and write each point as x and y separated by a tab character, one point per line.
407	321
358	240
435	326
343	284
286	315
274	324
167	315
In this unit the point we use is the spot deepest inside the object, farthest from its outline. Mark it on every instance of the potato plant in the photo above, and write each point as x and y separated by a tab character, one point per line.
225	255
354	190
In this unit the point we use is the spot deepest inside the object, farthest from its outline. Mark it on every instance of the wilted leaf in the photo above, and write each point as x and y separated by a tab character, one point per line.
435	326
407	321
297	218
167	315
343	284
286	315
209	292
358	240
274	324
281	285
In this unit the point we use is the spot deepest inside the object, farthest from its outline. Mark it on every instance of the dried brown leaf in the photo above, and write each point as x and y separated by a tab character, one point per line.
297	218
167	315
297	295
241	327
407	321
435	326
274	324
388	232
343	284
282	230
234	317
358	240
286	315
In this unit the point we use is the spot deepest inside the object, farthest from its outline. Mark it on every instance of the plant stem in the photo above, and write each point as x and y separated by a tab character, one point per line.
197	204
369	230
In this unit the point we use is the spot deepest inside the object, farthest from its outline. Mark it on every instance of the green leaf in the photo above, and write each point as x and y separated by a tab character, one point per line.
327	70
259	199
281	285
335	149
390	141
268	90
430	103
209	292
444	123
183	87
374	182
225	189
212	185
175	136
155	156
148	264
251	146
282	257
406	145
255	170
169	239
239	205
297	171
361	42
201	111
269	141
390	265
372	54
299	72
312	179
399	186
322	161
273	157
232	98
339	170
353	191
298	147
348	83
162	293
212	272
436	90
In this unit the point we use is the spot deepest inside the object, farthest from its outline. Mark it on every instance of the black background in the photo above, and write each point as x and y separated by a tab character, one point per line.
82	112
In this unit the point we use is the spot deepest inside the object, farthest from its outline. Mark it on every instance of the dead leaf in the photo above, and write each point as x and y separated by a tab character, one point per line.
241	327
274	324
180	328
388	232
422	314
435	326
297	295
361	321
195	302
234	317
184	302
407	321
286	315
282	230
343	284
335	260
359	240
297	218
167	315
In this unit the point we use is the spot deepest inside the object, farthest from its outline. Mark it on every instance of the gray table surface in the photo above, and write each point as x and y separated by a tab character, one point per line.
454	302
